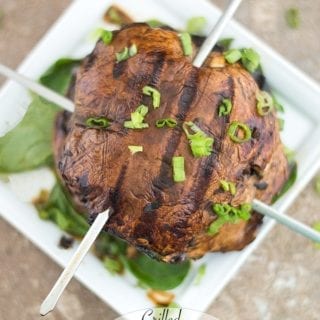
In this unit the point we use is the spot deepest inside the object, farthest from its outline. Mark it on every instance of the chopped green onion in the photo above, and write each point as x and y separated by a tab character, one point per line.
232	55
234	129
228	186
200	143
225	43
293	18
196	25
228	214
225	107
265	103
133	50
112	265
186	42
137	118
122	55
135	149
126	53
250	59
156	96
200	274
317	185
154	23
97	122
106	36
169	122
178	169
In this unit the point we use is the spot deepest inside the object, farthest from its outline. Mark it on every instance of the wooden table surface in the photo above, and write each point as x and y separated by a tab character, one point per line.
281	280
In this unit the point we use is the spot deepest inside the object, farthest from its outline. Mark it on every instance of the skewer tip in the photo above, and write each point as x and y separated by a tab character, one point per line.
46	307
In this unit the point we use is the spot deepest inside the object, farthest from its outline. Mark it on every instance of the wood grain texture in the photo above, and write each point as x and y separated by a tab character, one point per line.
281	280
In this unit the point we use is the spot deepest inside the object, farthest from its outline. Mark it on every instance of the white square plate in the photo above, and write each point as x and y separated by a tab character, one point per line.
69	37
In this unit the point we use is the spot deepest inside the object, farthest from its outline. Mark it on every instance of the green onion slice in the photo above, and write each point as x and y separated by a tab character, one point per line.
106	36
135	149
265	103
137	118
228	214
293	18
126	53
225	107
133	50
228	186
178	169
233	55
200	143
186	42
156	96
196	25
250	59
169	122
97	122
236	128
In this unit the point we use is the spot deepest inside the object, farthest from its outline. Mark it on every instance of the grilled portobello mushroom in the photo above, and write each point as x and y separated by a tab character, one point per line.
167	220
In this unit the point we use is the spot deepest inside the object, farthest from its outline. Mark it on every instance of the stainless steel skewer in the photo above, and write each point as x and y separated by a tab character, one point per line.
37	88
215	34
51	300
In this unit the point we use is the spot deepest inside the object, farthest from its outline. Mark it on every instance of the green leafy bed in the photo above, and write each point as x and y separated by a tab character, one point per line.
29	146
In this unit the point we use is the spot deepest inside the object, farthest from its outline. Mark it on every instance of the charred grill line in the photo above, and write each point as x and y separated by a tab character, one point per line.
119	69
207	166
188	94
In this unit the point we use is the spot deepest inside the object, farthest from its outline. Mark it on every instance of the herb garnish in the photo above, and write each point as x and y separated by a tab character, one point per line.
126	53
228	186
250	59
196	25
137	118
228	214
135	149
236	128
154	93
200	143
169	122
186	42
225	107
264	103
97	122
106	36
293	18
233	55
178	169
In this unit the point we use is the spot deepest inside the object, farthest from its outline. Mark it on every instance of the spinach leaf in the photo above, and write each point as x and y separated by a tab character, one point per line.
58	76
59	209
158	275
29	144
